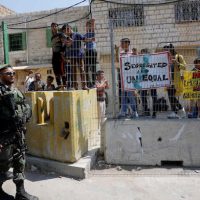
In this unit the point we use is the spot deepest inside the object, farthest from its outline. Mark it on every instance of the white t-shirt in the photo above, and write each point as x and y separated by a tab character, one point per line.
27	82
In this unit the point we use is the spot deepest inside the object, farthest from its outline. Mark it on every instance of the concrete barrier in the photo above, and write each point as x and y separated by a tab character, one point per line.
152	142
61	124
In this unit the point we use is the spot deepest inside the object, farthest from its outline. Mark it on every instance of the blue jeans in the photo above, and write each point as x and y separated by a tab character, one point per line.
128	98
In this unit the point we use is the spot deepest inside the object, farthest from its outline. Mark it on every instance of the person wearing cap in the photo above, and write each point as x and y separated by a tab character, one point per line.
57	64
178	65
195	104
127	97
77	55
15	112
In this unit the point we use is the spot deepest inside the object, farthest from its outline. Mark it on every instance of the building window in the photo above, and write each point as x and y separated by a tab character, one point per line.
17	41
127	17
187	11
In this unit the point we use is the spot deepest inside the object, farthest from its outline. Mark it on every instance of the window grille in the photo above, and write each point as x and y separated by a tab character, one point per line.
127	17
17	41
187	11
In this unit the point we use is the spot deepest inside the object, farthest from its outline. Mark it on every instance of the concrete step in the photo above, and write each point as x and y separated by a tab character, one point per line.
77	170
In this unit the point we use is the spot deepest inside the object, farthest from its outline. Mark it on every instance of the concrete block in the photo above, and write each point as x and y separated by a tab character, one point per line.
61	136
162	140
78	170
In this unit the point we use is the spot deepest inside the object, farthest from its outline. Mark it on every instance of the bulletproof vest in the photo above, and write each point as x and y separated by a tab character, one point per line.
13	105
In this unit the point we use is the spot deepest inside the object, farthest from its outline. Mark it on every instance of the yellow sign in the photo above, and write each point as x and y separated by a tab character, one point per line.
191	84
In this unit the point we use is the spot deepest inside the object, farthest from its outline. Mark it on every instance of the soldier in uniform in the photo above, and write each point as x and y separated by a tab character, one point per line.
14	113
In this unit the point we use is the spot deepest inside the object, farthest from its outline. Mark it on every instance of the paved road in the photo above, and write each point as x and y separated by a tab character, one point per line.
116	184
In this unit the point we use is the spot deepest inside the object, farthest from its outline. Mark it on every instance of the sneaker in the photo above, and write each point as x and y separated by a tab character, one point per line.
191	115
173	115
182	113
121	116
92	86
70	89
135	115
147	113
154	115
85	88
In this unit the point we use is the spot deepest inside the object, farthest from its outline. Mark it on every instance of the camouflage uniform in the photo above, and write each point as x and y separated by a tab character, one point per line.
15	112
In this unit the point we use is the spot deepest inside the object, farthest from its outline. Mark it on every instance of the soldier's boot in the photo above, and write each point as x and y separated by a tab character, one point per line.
22	194
3	195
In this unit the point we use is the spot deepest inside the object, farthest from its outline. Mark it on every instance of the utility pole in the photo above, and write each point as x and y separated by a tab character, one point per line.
5	42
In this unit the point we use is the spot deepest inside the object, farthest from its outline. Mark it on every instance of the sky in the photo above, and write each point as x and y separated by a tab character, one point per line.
23	6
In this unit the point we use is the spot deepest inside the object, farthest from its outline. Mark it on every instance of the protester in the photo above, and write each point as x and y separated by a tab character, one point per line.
49	85
134	51
57	61
28	80
195	104
90	54
144	94
15	112
77	55
37	84
176	89
127	97
66	54
101	84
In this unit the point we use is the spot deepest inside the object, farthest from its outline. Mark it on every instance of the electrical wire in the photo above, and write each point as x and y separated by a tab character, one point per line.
89	14
42	27
141	4
54	13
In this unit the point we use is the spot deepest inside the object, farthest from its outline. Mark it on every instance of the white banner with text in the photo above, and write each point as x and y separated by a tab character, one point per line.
145	71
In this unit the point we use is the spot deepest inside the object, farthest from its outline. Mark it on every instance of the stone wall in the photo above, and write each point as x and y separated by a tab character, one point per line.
5	11
159	27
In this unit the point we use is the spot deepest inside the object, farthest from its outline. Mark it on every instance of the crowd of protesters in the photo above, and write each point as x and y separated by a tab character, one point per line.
128	98
68	56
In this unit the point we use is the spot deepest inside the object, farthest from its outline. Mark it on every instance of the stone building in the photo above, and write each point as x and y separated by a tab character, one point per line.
5	11
148	24
30	39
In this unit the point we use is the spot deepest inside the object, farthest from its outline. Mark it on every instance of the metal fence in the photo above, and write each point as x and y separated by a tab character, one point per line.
141	86
131	36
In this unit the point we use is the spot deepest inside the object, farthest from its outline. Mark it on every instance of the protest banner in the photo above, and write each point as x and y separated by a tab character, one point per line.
145	71
191	85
